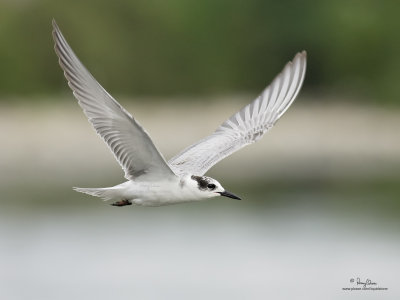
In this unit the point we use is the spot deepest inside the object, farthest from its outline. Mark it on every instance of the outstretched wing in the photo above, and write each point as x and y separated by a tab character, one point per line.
129	142
246	126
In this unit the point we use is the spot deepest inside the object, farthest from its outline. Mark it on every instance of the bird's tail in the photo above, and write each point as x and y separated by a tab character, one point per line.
104	193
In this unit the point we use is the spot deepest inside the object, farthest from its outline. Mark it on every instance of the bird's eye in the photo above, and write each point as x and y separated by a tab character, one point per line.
211	186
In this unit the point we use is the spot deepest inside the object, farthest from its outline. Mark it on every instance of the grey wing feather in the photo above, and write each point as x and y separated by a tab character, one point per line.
129	142
246	126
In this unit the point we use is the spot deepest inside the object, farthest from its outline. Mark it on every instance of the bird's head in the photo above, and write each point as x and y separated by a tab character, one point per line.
208	187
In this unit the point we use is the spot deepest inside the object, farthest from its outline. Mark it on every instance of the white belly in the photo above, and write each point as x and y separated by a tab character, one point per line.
157	194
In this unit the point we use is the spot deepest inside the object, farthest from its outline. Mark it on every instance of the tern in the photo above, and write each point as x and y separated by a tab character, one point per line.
151	180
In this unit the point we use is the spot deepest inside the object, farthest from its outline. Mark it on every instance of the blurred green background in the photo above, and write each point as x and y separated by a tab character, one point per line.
321	190
190	47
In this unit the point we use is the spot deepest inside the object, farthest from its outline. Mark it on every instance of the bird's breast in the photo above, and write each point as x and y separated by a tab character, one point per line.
158	194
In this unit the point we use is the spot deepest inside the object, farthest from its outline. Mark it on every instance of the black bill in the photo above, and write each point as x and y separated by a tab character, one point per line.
230	195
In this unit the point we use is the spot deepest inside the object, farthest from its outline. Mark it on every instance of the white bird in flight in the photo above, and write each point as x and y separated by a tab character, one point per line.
152	181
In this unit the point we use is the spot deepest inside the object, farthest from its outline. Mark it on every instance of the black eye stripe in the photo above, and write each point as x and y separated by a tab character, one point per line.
202	183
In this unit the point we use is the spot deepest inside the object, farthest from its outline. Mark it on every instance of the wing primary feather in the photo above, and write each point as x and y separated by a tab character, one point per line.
246	126
128	141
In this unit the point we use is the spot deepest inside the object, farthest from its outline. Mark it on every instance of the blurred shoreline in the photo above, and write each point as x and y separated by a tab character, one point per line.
313	140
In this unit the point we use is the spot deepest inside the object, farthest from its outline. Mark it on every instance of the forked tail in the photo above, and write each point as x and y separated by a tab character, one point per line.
104	193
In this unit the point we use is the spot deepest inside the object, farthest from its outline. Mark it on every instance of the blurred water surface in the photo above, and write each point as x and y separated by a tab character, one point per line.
301	244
